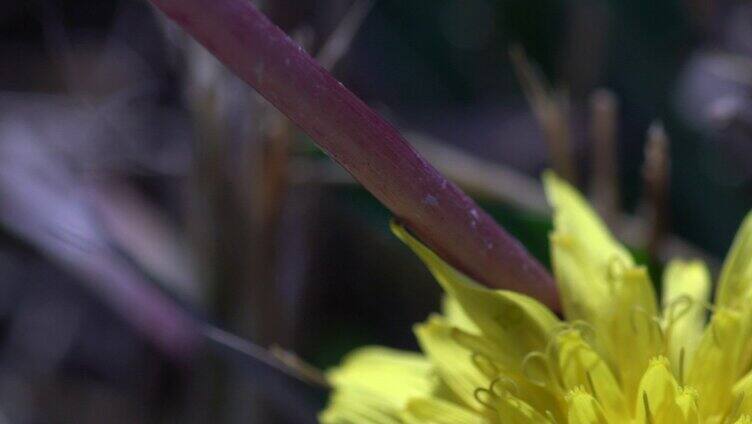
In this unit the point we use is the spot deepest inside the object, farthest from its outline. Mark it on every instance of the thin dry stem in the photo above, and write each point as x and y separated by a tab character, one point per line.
656	177
338	43
551	109
604	178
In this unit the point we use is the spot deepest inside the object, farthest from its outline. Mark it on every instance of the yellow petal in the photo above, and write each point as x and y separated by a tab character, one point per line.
584	408
600	284
502	316
437	411
490	357
687	402
735	283
453	362
631	321
719	360
583	252
394	376
456	316
661	400
580	366
505	373
511	409
686	287
355	406
742	393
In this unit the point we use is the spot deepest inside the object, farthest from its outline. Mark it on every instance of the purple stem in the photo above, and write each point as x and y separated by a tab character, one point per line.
370	149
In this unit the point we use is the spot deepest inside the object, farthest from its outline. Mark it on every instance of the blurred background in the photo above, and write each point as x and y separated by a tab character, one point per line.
172	249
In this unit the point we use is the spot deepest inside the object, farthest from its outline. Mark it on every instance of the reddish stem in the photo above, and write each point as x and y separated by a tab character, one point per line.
436	210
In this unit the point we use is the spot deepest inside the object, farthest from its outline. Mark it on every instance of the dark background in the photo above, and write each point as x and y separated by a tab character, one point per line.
134	168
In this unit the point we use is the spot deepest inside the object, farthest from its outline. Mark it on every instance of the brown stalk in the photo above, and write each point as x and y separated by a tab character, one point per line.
656	176
551	110
604	178
369	148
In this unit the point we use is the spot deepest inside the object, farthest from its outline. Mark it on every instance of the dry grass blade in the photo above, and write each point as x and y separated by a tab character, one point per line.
338	43
604	181
656	176
48	206
303	369
551	109
481	177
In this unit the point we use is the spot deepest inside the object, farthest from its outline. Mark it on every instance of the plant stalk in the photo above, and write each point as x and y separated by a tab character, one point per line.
369	148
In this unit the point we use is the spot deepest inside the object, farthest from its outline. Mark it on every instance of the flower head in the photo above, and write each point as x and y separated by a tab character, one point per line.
496	356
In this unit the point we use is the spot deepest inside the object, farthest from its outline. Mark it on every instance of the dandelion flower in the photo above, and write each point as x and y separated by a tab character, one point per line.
495	356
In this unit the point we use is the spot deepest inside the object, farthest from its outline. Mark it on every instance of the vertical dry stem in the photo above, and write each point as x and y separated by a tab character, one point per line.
604	178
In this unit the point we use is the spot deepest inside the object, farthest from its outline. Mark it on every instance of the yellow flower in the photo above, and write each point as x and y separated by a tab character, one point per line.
496	356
